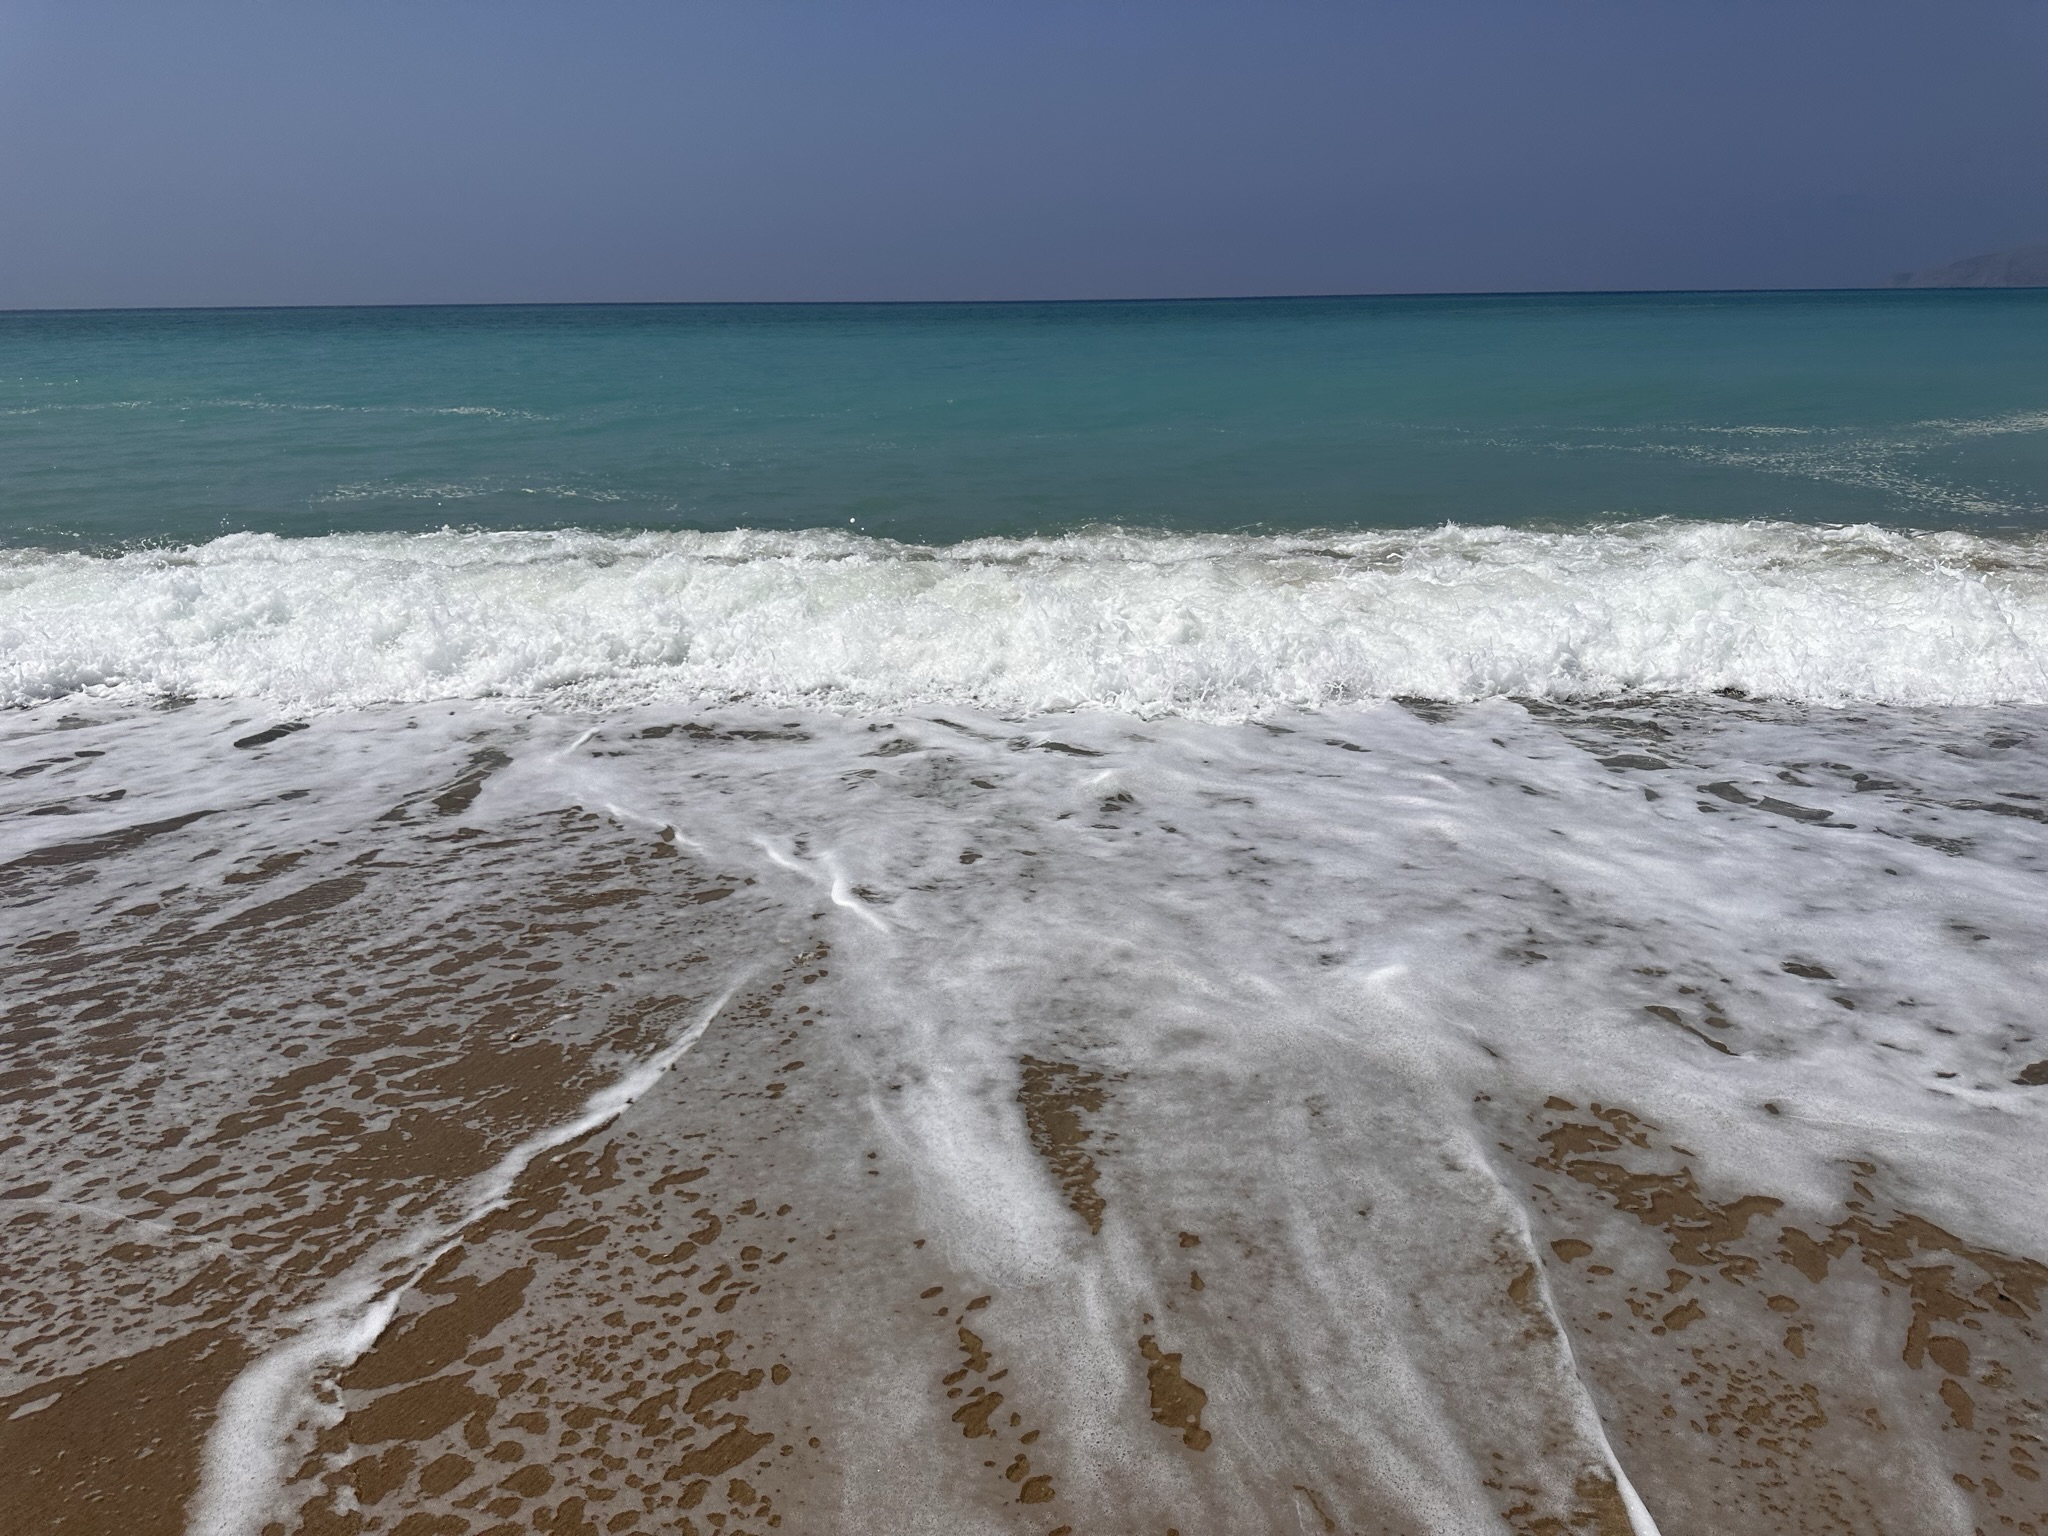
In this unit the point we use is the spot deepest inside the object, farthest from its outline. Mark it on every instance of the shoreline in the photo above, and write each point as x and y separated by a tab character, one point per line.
1386	1118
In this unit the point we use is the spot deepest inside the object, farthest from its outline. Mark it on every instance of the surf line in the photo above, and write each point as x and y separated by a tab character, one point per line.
1641	1522
241	1469
838	884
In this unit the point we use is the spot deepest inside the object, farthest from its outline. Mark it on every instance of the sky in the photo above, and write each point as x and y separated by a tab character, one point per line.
483	151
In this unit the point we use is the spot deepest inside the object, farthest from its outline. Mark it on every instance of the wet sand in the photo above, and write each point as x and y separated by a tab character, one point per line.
986	1169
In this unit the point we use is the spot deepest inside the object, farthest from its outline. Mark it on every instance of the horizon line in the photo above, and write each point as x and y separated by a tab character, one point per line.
1219	298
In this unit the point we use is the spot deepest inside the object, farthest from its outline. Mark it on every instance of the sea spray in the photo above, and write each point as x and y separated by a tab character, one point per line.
1213	627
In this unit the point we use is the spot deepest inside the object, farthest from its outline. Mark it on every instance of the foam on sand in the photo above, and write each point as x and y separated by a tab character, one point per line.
1413	1117
276	1393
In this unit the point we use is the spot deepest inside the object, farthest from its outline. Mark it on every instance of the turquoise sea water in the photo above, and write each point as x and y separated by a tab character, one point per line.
943	422
1298	751
1216	509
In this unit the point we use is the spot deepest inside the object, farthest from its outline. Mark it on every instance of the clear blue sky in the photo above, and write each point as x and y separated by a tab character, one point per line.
359	151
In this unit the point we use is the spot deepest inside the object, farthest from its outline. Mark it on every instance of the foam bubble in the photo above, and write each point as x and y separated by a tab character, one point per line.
1213	627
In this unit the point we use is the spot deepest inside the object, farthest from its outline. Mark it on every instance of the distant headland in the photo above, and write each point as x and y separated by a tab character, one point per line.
2023	266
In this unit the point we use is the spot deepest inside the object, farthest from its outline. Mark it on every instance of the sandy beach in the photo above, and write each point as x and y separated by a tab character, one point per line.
459	1120
1023	770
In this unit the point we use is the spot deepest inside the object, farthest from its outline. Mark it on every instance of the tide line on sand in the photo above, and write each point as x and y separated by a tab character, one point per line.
245	1450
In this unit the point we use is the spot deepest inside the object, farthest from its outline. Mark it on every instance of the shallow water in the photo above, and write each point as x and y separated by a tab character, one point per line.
1413	1117
938	423
1356	916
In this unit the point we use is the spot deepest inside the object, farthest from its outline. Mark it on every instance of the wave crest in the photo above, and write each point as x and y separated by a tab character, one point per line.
1214	627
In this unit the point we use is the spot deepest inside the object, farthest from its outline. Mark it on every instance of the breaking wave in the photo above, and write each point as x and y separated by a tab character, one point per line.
1216	627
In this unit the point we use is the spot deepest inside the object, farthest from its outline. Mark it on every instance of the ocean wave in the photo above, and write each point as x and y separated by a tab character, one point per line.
461	490
1216	627
2009	424
1895	465
502	413
86	405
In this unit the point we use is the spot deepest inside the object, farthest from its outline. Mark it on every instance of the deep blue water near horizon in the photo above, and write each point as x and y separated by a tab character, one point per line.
938	423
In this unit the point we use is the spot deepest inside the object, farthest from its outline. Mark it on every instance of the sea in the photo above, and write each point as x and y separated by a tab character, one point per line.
1394	915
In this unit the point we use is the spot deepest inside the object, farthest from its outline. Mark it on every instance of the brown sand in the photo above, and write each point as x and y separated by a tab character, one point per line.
727	1312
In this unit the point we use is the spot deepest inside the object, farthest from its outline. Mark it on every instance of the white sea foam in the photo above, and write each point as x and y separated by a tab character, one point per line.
246	1447
1328	970
461	490
2012	423
1215	627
